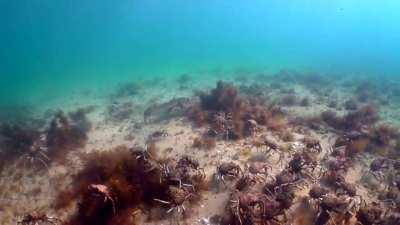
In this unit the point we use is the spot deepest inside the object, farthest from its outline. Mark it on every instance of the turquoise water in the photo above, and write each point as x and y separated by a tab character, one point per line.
50	48
131	122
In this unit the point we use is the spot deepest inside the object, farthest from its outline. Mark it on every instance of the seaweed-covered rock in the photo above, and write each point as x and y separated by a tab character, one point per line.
362	118
174	108
67	132
15	140
33	143
119	111
233	116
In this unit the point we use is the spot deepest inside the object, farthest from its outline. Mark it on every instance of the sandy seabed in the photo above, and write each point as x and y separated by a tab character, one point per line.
24	189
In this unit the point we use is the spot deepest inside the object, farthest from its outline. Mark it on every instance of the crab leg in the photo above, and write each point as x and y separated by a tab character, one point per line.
161	201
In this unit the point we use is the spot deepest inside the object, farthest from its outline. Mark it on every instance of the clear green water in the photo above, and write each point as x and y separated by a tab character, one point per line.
49	49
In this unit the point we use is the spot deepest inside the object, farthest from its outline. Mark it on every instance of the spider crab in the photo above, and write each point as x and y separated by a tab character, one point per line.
190	170
222	125
259	170
379	167
254	208
301	162
36	218
272	147
254	173
146	158
157	136
227	170
186	172
286	181
99	191
37	153
312	144
251	127
335	210
374	213
178	196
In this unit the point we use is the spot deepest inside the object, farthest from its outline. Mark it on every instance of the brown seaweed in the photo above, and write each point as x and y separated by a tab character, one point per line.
67	132
360	119
15	140
233	116
119	170
134	178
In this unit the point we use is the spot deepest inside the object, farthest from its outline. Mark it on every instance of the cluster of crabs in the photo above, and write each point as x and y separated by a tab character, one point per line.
311	179
260	198
181	178
223	126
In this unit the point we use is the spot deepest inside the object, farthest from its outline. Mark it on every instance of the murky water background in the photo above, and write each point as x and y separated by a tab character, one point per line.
51	48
